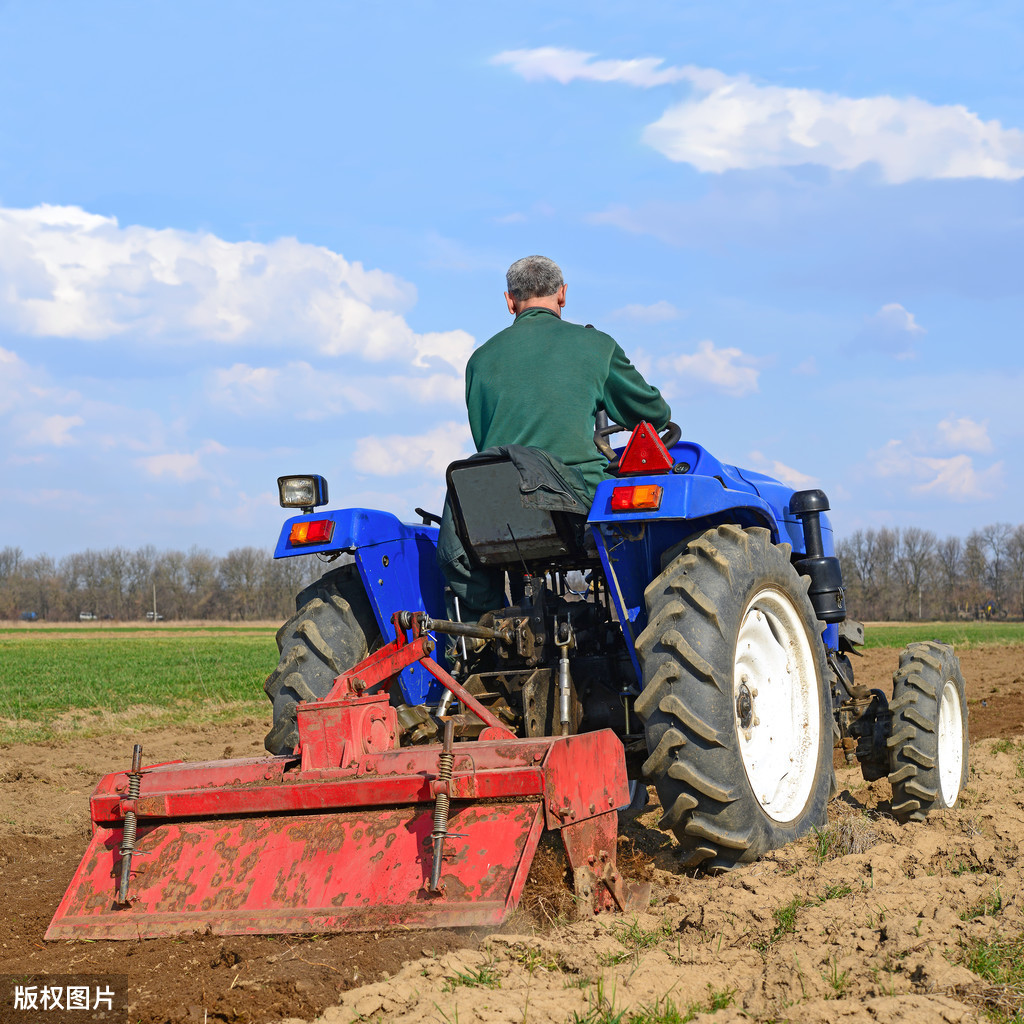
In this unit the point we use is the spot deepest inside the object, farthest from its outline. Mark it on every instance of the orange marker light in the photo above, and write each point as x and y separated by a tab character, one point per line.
316	531
642	496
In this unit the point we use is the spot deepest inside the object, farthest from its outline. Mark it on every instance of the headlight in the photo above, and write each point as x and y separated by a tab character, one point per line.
306	492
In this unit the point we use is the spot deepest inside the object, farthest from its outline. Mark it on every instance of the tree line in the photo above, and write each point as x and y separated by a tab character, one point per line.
246	583
890	574
905	574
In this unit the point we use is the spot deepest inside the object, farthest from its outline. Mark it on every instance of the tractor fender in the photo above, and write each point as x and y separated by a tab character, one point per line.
631	544
690	498
397	564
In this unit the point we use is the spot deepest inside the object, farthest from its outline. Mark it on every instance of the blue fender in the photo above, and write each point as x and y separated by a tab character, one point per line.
705	494
397	563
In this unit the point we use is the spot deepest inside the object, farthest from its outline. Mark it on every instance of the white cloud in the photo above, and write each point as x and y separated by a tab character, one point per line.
656	313
964	434
730	122
399	454
310	393
53	430
725	369
182	466
72	274
892	330
954	477
566	65
300	388
14	376
789	476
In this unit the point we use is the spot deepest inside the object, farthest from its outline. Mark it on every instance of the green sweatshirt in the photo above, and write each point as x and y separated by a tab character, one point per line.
540	382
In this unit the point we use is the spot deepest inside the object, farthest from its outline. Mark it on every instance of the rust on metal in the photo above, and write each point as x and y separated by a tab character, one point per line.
343	837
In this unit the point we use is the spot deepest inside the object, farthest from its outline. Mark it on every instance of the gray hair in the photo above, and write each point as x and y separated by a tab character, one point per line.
533	277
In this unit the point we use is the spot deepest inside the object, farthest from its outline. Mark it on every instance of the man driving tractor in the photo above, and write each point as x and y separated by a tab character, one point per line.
538	384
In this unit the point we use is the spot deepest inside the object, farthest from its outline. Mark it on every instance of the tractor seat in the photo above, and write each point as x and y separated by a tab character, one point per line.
496	528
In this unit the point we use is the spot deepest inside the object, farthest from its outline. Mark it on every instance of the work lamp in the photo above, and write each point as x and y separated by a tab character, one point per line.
305	492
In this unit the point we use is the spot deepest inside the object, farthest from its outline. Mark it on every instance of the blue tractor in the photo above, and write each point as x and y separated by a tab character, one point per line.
698	611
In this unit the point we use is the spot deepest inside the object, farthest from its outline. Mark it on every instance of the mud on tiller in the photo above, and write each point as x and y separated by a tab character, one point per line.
351	831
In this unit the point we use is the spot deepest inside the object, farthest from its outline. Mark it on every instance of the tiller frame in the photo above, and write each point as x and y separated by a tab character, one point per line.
351	832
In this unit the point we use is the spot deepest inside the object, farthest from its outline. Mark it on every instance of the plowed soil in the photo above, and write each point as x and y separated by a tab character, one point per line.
874	931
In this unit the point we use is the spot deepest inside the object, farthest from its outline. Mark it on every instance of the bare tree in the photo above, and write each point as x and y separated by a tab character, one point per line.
975	570
1015	568
949	563
242	573
915	562
996	538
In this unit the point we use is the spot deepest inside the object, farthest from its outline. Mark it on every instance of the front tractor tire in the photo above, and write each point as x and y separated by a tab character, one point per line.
928	745
332	629
737	715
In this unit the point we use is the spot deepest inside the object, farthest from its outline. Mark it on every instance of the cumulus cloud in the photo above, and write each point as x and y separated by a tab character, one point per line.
399	454
53	430
954	477
965	434
789	476
892	330
655	313
68	273
310	393
182	466
729	122
727	370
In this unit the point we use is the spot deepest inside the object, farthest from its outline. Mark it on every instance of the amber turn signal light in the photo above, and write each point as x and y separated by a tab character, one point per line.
315	531
641	496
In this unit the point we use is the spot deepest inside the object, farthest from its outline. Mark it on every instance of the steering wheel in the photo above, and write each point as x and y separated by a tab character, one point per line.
669	437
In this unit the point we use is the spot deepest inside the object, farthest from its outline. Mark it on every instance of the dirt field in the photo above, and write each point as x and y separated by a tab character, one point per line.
869	936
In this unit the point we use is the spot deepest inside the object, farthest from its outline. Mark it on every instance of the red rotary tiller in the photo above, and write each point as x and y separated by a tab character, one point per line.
352	831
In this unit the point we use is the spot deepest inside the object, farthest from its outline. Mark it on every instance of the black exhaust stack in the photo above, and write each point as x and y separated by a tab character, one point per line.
826	589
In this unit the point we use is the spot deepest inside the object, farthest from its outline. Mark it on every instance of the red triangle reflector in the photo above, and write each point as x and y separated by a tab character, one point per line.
644	453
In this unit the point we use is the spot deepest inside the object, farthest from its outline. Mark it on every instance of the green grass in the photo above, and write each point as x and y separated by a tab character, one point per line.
636	940
186	673
959	634
1000	961
484	977
662	1011
117	628
835	892
785	924
785	918
989	906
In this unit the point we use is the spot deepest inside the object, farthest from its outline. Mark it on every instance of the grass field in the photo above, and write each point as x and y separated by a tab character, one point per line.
55	680
52	681
959	634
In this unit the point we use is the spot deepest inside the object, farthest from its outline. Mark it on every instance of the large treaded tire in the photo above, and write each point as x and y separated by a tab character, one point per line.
333	628
928	745
720	719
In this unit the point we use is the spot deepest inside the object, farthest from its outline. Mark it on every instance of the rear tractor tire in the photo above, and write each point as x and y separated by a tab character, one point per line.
333	628
928	745
737	713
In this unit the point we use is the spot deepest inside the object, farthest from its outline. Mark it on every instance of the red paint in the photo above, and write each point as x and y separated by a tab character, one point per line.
337	838
645	452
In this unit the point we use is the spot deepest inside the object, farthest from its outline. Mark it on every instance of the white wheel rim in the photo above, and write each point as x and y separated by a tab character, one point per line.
951	743
776	702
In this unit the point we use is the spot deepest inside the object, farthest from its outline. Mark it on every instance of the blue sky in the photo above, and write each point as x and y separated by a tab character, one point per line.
245	239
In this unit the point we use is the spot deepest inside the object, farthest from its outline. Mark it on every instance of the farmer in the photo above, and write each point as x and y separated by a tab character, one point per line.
539	383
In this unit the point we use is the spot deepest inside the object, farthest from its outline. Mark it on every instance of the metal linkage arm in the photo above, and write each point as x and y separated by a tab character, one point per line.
470	629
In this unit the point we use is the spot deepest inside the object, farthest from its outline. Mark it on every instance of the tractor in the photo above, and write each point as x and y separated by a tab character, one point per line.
690	631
